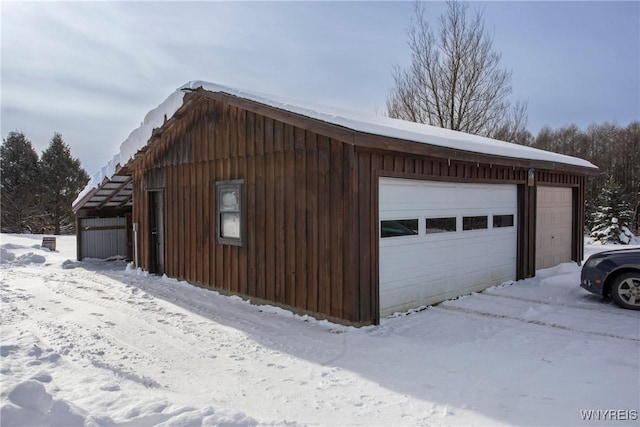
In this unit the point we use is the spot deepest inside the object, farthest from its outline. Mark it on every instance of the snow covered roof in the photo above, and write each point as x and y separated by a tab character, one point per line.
366	123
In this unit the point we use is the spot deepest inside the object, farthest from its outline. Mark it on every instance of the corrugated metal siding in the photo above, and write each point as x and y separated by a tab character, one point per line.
103	237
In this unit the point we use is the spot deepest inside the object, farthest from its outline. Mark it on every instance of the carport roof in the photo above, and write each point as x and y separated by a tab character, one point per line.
113	192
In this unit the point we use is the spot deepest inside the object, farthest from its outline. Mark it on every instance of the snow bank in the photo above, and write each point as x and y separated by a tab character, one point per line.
29	402
7	257
367	123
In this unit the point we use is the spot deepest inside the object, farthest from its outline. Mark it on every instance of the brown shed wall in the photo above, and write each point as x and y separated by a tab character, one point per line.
296	253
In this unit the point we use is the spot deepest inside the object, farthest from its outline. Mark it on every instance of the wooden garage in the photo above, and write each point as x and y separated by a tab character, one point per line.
305	207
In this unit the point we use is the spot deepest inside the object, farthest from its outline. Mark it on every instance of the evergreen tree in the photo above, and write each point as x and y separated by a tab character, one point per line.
63	179
19	184
612	217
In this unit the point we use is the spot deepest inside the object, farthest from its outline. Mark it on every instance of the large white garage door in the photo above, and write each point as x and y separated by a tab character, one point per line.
439	240
554	220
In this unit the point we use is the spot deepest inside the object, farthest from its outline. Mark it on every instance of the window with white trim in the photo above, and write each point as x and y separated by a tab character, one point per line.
230	212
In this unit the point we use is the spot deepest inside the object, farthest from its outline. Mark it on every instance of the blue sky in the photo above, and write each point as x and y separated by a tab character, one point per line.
91	71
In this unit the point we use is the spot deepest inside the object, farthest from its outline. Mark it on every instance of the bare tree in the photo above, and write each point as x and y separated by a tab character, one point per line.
455	80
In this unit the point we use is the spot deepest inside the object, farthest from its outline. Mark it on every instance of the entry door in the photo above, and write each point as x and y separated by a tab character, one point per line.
156	223
554	221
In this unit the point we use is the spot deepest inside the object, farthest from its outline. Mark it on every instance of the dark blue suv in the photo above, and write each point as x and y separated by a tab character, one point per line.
615	273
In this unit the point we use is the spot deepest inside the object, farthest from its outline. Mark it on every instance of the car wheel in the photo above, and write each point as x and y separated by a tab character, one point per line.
625	291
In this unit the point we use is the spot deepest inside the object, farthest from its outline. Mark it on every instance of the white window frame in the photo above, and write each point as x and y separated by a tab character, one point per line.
221	188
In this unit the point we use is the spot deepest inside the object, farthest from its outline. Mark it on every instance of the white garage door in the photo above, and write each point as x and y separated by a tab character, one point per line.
554	220
102	238
439	240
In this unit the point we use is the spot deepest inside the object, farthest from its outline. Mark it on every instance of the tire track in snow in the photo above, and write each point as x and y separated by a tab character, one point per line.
89	342
559	304
530	321
95	343
194	336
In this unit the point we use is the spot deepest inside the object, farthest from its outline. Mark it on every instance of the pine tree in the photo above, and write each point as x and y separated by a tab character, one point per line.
612	217
19	184
63	178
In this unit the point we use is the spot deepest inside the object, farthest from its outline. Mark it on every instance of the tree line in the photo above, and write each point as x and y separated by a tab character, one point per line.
455	81
616	151
37	191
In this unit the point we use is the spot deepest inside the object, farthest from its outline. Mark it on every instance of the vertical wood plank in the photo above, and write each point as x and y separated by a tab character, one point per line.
213	242
260	224
312	221
324	224
351	242
278	136
199	201
301	219
279	213
193	222
183	199
268	135
241	137
270	237
208	221
374	232
290	217
251	237
409	165
234	251
398	164
337	230
249	124
243	252
259	134
223	141
364	180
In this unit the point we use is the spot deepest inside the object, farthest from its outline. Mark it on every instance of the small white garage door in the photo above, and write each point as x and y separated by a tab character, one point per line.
554	220
102	238
439	240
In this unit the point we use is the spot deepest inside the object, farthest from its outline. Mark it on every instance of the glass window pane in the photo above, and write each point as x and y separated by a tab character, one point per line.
230	225
502	221
229	200
441	225
474	222
399	227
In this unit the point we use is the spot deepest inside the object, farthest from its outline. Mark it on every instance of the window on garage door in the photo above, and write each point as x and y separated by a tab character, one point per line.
441	225
474	222
399	227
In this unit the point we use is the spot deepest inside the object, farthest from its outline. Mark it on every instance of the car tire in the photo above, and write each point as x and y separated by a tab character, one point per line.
625	291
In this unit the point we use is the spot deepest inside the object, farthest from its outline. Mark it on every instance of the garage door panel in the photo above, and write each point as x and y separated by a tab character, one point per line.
429	268
406	263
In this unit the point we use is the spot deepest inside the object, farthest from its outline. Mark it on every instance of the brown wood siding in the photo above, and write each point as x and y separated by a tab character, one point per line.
311	202
295	183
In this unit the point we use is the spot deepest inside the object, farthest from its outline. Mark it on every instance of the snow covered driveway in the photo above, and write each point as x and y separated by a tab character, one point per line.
94	344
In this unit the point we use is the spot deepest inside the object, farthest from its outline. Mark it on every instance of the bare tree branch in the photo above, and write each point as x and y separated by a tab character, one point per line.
455	80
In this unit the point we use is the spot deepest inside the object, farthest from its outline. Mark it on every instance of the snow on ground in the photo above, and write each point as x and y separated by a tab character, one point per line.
92	343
